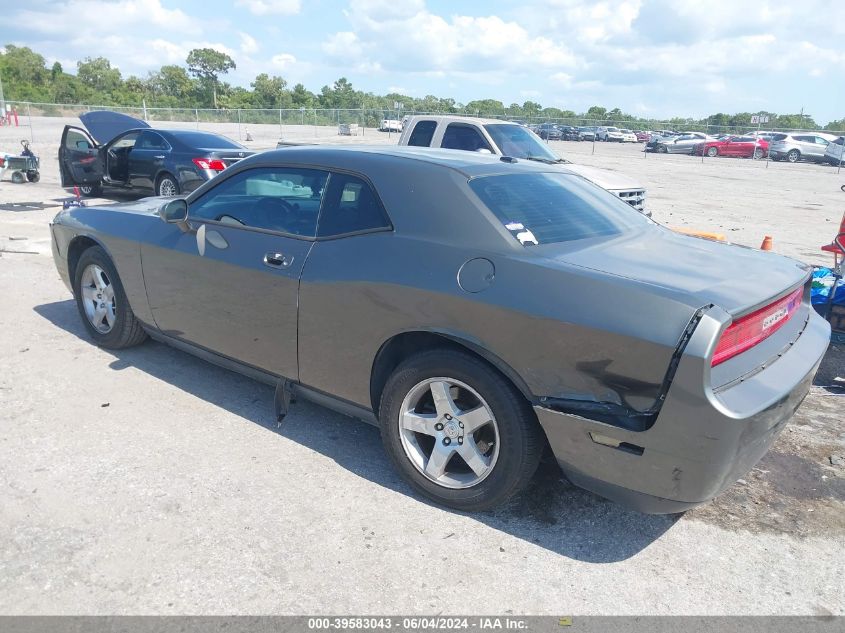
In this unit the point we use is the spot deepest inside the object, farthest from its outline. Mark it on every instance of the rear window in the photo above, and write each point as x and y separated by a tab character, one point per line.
544	208
206	140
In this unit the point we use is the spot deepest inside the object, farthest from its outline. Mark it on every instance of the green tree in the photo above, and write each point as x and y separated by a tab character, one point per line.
207	64
301	97
269	92
24	74
98	74
485	107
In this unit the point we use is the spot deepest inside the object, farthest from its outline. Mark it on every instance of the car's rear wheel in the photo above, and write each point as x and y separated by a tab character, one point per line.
662	149
91	191
102	302
167	185
712	151
459	431
793	155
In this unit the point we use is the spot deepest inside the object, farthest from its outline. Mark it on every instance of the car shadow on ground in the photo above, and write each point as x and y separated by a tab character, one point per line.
552	513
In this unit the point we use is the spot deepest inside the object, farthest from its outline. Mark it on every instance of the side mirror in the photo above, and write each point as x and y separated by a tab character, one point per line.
175	212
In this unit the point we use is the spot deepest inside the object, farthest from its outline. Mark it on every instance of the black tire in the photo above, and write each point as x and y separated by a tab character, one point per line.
758	153
662	149
33	176
162	186
521	441
127	330
18	177
793	155
91	191
712	152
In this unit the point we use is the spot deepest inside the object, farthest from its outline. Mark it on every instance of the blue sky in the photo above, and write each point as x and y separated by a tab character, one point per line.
656	58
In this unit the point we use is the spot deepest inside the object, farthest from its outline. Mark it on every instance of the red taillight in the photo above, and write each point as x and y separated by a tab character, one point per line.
748	331
210	163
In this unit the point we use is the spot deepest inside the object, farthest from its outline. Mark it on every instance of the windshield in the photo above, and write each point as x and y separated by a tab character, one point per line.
544	208
519	142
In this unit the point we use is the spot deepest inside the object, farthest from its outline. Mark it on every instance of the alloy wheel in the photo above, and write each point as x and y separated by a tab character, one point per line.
98	298
448	432
167	187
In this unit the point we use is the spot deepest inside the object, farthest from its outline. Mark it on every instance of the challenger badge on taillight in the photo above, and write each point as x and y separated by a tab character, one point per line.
748	331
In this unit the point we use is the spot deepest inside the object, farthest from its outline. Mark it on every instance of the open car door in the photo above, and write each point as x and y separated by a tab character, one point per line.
80	160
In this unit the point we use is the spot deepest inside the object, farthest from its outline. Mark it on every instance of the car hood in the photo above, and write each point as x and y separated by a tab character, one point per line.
104	125
696	271
604	178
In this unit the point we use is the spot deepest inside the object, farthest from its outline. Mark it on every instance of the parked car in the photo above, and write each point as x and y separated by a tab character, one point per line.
800	146
834	152
390	125
588	133
663	383
642	135
741	146
549	132
609	134
570	133
119	151
511	141
682	144
628	136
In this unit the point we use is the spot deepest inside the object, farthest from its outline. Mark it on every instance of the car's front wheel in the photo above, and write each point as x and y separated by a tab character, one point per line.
102	302
793	155
712	151
458	430
167	185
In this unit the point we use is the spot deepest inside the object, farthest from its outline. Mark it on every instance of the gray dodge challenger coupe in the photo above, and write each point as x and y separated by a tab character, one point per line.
477	308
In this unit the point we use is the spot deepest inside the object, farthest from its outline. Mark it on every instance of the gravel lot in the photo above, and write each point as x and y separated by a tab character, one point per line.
148	482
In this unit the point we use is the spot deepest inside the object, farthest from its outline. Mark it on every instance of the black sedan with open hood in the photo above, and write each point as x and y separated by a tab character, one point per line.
116	150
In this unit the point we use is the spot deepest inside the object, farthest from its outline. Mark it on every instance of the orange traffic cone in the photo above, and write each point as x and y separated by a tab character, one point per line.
767	243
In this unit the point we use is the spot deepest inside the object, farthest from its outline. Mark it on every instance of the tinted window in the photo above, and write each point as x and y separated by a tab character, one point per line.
422	133
805	139
151	140
779	137
519	142
465	137
206	140
280	199
351	205
547	208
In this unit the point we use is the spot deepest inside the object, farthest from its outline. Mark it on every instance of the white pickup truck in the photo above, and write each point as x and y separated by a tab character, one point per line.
510	139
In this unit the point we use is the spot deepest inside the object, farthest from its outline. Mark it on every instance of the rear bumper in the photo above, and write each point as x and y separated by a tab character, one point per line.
701	442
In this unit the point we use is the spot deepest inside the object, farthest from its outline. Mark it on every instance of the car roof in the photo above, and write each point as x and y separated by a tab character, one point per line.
468	163
446	118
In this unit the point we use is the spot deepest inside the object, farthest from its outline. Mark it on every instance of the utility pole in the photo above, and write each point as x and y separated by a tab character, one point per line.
2	99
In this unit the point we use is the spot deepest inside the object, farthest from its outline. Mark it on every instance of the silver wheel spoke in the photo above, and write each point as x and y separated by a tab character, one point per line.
436	464
474	459
109	316
443	401
99	315
419	422
88	293
97	276
474	419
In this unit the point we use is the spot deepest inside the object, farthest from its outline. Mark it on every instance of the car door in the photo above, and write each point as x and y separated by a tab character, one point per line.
80	159
146	158
819	147
228	281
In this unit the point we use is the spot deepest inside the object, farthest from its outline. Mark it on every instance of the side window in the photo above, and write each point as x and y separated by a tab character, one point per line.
282	199
822	141
465	137
422	133
805	139
351	205
151	140
77	141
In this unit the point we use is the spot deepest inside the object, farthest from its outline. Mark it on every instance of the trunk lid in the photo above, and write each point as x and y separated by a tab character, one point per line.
697	271
228	156
104	125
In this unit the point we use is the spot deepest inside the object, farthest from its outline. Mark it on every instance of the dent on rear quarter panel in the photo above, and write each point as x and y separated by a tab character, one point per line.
119	233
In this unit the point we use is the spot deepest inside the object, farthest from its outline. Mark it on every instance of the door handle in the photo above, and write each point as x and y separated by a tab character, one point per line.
159	157
277	260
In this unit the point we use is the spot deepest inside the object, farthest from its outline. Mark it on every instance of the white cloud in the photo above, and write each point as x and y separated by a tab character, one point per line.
271	7
283	61
90	18
248	44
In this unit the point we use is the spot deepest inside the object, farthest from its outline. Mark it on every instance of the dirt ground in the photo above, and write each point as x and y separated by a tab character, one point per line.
147	481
